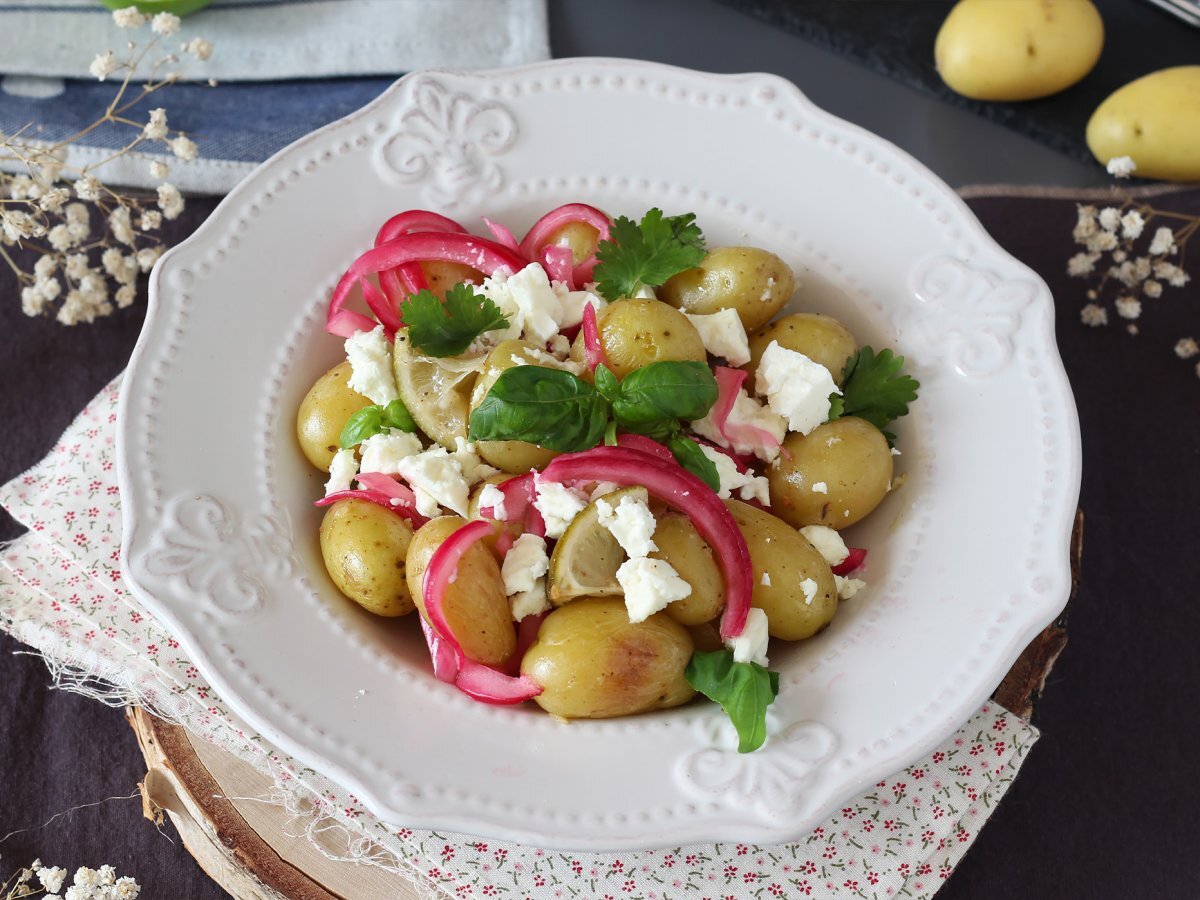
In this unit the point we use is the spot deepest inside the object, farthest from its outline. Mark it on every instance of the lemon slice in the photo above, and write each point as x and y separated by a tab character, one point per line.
436	391
586	558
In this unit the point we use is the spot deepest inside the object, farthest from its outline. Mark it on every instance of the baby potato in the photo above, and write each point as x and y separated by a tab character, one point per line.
755	282
707	636
823	339
364	547
635	333
514	457
323	413
1156	121
475	604
580	237
850	456
680	544
1017	49
441	275
790	563
593	663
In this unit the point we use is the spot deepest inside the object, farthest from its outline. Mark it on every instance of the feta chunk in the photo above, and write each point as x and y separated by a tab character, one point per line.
342	469
810	591
573	302
751	645
748	485
530	602
631	523
525	562
474	470
558	505
531	304
759	430
437	480
384	452
370	355
847	588
492	497
827	542
765	581
649	585
560	347
820	487
795	387
724	335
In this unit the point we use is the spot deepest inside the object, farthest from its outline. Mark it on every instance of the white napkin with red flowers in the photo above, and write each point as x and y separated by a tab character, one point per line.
61	592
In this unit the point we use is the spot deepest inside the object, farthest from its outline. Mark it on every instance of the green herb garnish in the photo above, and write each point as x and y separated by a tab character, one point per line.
744	690
874	389
646	254
447	328
689	455
372	420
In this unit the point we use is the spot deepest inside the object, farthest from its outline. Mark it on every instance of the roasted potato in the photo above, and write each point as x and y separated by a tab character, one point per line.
323	414
635	333
754	282
823	339
680	544
364	547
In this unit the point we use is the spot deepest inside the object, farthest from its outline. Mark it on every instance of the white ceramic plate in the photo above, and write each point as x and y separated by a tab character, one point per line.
968	559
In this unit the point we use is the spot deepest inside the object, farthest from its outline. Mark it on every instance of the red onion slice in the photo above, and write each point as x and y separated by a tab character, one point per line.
593	352
380	499
854	560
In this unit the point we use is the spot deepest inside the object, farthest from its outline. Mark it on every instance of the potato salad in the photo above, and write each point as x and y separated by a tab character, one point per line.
598	462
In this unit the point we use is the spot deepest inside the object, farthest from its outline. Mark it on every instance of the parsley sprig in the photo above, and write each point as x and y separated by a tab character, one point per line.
873	388
646	253
447	328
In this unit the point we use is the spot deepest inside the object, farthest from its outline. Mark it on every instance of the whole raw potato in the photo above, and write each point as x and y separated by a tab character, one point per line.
1156	121
364	547
1017	49
593	663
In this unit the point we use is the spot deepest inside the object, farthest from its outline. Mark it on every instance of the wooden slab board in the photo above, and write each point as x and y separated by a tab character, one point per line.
244	844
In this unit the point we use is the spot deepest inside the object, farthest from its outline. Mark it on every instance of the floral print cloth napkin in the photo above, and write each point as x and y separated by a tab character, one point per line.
61	591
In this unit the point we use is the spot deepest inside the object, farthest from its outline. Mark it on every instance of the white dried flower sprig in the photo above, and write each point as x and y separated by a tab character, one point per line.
1130	259
88	884
90	241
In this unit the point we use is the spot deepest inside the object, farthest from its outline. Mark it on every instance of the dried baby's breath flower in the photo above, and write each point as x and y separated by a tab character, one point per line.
160	170
1186	348
1163	243
170	201
1152	288
156	127
199	48
52	878
184	148
1121	167
1102	241
1128	307
150	220
1082	264
1093	315
1109	218
165	24
1132	224
104	65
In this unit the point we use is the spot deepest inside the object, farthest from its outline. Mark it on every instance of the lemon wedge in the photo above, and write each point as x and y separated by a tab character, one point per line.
436	391
586	558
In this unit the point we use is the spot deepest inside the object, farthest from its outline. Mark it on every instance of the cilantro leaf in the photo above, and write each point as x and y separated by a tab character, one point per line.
548	407
646	254
448	328
689	455
373	420
873	388
744	690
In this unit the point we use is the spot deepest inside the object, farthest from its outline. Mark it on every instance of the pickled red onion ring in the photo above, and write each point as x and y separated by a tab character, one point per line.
729	382
473	678
413	277
504	237
386	484
643	444
378	498
854	560
593	352
559	265
537	236
679	488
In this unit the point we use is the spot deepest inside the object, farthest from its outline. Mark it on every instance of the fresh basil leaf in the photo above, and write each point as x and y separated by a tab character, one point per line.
396	415
665	391
360	426
689	455
744	691
607	383
548	407
610	435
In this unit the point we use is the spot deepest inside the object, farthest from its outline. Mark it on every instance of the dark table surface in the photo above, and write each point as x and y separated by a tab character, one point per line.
1104	805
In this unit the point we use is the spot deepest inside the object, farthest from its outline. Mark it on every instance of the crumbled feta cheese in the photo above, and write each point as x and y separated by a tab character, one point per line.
895	452
765	581
847	588
437	479
810	591
649	585
530	602
751	645
535	357
492	497
604	487
795	387
474	470
748	485
525	562
766	294
342	469
748	419
383	452
573	302
529	301
827	542
370	355
631	523
820	488
560	347
558	505
723	335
